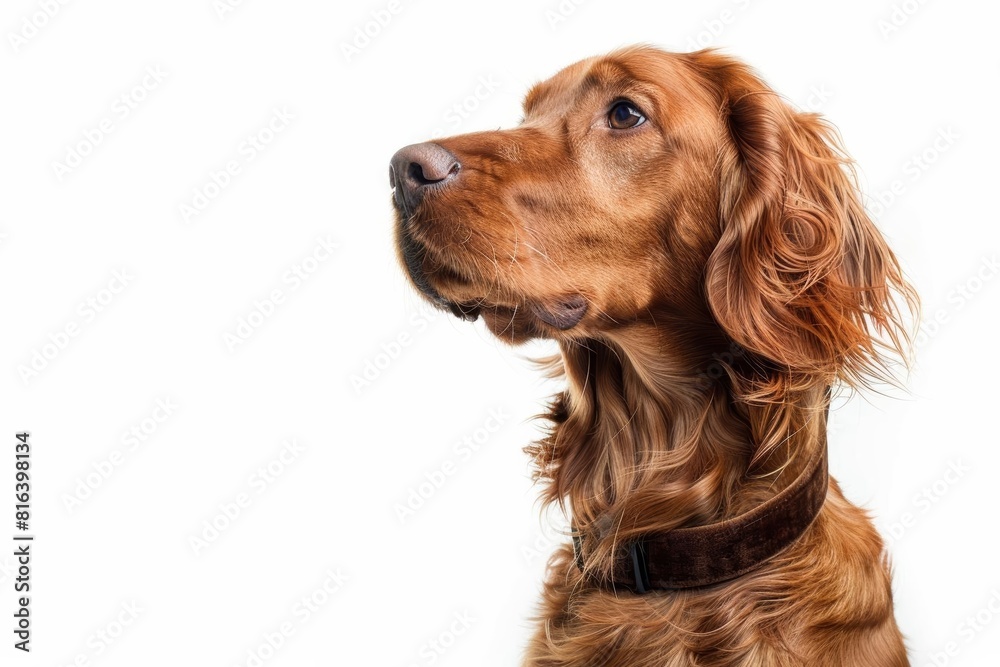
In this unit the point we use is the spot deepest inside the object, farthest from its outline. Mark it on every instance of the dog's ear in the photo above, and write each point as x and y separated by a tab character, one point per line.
801	276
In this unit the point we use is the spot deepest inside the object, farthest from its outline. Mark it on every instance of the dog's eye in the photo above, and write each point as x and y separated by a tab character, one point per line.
624	115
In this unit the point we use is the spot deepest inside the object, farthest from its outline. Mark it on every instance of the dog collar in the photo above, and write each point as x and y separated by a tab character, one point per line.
700	556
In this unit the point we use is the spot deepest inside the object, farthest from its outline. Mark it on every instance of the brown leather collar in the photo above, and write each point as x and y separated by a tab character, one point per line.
705	555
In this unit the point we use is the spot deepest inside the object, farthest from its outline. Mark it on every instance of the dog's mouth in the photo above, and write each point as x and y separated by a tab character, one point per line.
413	255
562	313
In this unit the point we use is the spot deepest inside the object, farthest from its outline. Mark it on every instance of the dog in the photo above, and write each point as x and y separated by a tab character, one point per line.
700	253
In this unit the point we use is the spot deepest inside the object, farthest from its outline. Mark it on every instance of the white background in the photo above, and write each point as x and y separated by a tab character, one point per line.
476	547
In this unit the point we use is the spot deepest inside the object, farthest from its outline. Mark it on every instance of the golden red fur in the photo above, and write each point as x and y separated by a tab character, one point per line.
709	273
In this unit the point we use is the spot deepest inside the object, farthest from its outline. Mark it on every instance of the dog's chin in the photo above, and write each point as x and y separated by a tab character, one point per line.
515	319
514	322
555	319
447	288
521	322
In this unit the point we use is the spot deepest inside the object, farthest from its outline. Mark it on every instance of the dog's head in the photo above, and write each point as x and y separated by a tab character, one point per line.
647	187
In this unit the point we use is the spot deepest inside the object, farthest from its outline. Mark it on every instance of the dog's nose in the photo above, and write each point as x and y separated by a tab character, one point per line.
414	168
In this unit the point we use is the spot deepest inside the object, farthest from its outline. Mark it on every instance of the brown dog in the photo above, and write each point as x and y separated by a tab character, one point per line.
700	253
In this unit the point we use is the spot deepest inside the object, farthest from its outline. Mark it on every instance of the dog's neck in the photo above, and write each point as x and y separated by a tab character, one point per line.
653	434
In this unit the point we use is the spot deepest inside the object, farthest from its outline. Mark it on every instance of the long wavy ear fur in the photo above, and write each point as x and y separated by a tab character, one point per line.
801	276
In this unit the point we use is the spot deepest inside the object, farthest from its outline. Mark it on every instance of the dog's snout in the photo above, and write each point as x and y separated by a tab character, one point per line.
414	168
